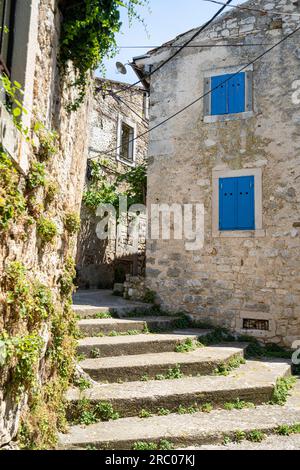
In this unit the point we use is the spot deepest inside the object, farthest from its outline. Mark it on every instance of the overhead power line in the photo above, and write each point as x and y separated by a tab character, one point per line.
272	12
112	151
172	46
199	31
118	99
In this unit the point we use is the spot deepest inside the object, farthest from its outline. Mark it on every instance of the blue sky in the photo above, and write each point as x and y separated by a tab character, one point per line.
167	19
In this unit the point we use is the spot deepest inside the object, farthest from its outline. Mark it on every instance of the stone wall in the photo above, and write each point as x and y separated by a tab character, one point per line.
233	278
45	263
98	260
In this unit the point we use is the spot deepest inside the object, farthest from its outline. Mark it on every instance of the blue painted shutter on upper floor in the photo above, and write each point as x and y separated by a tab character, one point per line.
236	94
228	94
236	203
219	95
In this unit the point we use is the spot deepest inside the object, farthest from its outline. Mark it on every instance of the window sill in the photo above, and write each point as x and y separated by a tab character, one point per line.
228	117
126	162
240	234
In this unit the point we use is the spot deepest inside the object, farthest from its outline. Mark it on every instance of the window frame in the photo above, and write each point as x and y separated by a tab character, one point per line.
249	105
8	16
121	120
258	208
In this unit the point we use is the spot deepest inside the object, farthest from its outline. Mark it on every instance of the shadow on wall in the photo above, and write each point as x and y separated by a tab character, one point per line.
97	265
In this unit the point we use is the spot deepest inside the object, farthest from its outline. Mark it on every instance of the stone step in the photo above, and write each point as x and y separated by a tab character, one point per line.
91	311
92	327
271	442
136	344
253	381
88	303
186	430
132	368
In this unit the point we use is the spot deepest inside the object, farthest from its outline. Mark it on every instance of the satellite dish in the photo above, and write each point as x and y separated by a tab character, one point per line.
121	68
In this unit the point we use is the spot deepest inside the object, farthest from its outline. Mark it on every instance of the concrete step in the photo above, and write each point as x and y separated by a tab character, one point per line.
271	442
88	303
92	327
87	311
131	368
137	344
192	429
253	381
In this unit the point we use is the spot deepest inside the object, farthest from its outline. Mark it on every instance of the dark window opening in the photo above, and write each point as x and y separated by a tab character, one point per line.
7	20
127	136
249	324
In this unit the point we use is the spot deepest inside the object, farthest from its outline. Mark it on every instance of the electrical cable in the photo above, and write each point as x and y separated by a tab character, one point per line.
117	98
180	48
112	151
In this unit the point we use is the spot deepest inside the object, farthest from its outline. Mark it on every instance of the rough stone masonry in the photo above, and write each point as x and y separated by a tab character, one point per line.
98	260
248	281
46	98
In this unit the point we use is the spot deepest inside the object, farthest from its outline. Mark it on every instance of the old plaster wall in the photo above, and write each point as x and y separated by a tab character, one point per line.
233	278
97	260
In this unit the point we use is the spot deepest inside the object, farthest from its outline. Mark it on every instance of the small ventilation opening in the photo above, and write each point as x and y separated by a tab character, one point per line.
250	324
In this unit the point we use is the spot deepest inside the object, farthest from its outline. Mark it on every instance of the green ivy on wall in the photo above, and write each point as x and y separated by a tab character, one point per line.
100	191
28	307
88	36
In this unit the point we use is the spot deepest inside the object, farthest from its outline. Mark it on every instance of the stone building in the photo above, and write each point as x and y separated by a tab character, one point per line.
114	121
236	151
47	189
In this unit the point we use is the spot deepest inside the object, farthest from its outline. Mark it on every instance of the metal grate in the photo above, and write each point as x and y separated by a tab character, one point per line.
250	324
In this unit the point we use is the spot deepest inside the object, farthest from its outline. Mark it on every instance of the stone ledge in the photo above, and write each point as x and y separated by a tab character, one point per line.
12	141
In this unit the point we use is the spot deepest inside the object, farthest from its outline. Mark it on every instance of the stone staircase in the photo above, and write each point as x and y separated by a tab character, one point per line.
139	373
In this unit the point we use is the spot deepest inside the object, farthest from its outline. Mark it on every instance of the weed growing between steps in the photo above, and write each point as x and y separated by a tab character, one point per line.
182	410
145	331
217	335
145	414
103	316
162	445
172	374
240	436
238	405
82	383
282	390
188	345
80	357
259	436
226	367
287	430
84	412
126	333
95	353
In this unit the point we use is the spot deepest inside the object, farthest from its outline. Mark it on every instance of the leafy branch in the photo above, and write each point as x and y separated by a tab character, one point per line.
88	36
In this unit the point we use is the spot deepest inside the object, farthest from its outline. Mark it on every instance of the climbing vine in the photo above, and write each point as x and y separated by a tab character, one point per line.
88	36
37	325
131	184
12	201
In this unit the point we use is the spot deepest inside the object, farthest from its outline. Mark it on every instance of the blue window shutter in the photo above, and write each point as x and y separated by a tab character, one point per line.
227	203
237	203
219	102
236	93
246	203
